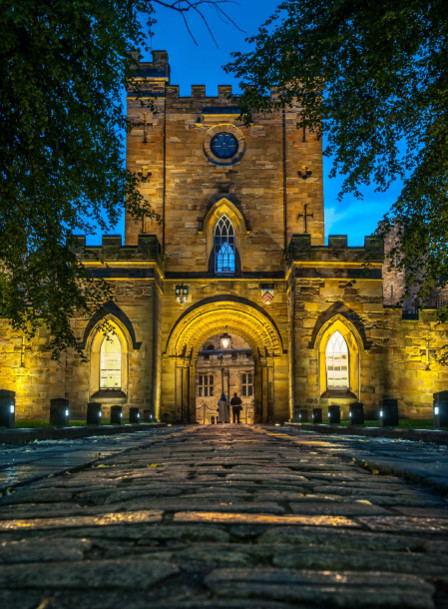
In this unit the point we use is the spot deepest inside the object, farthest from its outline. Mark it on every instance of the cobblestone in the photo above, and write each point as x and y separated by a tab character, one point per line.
223	517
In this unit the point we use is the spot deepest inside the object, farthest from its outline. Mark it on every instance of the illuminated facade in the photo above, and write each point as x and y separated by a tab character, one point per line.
239	250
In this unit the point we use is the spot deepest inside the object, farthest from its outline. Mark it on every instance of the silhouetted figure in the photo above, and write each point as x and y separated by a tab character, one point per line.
236	402
223	410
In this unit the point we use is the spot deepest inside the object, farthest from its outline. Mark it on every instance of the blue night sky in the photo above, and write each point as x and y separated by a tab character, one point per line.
202	64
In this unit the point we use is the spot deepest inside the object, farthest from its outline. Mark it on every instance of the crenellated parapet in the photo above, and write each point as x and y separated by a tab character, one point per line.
113	260
336	260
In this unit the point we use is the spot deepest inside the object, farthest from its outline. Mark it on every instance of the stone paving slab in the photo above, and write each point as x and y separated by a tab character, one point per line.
436	436
274	520
21	464
30	434
421	461
319	587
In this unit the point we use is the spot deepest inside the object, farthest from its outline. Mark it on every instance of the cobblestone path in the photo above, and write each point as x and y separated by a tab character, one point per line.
223	517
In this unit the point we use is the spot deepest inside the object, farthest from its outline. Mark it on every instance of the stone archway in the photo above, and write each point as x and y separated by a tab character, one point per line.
211	317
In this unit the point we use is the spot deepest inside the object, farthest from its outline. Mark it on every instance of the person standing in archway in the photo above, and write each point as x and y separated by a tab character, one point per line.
223	410
236	402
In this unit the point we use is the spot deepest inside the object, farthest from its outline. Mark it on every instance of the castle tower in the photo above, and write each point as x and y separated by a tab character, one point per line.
197	162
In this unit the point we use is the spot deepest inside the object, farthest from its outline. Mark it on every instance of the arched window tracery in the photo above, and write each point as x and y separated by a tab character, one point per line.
224	244
337	362
110	362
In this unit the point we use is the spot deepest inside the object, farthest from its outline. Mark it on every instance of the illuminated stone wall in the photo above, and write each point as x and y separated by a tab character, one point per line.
288	293
26	367
187	180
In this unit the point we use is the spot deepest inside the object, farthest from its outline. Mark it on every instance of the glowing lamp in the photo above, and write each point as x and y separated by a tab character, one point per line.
436	410
11	409
225	340
381	414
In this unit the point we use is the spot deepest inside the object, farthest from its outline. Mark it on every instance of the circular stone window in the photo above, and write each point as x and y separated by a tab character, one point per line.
224	145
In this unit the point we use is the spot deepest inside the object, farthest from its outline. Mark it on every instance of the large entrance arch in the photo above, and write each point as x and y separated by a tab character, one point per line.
212	317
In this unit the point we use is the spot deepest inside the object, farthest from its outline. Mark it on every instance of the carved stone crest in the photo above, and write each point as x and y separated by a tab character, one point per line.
267	293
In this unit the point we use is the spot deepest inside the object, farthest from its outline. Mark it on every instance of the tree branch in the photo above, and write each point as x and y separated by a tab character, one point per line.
185	6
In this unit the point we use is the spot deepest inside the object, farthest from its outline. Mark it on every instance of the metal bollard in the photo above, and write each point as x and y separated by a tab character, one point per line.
303	415
356	413
389	413
7	408
116	415
317	415
440	409
94	413
134	415
59	412
334	414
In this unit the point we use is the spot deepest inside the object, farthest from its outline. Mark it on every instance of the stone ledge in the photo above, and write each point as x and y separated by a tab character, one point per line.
22	435
419	435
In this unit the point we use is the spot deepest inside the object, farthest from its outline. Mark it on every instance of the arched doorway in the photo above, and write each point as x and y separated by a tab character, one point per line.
210	318
225	364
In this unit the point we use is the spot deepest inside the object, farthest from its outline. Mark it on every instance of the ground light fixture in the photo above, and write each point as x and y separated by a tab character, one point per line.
94	413
7	408
440	409
116	414
134	415
389	412
303	415
334	414
317	415
59	412
356	413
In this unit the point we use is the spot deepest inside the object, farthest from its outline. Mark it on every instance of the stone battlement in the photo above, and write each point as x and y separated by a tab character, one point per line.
337	250
111	250
156	75
158	68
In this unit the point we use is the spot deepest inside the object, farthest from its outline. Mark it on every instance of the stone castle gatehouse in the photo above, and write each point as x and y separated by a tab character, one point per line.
239	253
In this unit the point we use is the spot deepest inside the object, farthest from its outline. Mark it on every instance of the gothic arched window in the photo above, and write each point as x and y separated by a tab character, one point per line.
224	244
336	360
110	362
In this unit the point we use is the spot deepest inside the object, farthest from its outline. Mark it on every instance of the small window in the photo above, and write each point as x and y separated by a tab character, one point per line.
247	387
110	362
336	355
205	385
224	245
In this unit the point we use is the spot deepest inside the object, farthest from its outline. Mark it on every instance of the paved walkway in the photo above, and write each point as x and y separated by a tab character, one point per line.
419	461
224	517
35	460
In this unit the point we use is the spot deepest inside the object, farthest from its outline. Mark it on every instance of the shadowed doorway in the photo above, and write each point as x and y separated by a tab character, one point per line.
225	364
